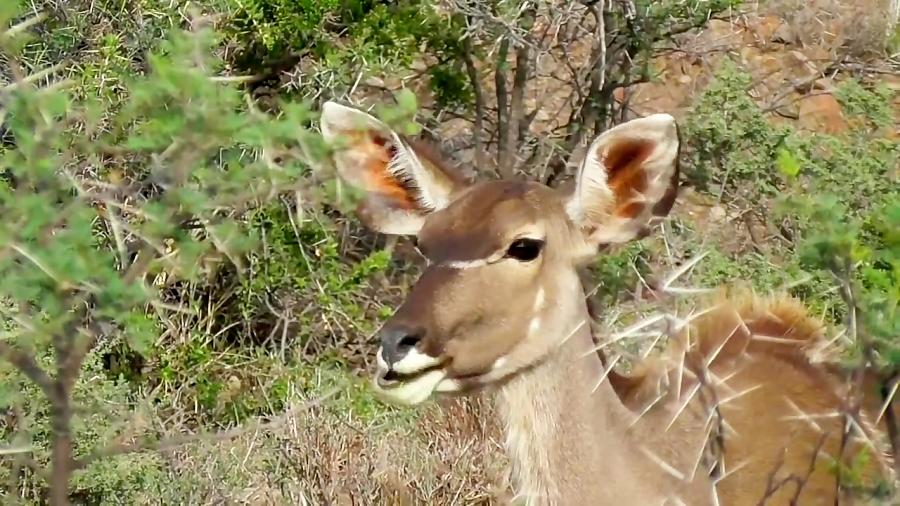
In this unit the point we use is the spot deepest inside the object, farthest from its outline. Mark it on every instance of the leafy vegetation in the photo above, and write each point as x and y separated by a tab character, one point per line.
167	259
91	212
844	242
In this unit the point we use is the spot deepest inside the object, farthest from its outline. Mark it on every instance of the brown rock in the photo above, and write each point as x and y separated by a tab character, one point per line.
719	32
824	84
817	56
822	113
784	34
766	27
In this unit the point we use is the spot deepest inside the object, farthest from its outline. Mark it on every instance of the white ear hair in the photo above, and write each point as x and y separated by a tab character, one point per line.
626	172
337	118
403	181
405	165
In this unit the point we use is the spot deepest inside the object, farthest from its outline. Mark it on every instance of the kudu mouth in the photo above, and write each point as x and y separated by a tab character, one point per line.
408	386
388	377
409	381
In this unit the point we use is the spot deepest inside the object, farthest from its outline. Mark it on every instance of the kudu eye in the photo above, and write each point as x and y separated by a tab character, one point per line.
525	250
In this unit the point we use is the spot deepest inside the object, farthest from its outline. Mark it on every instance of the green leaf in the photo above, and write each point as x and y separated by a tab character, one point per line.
9	394
140	332
407	101
787	163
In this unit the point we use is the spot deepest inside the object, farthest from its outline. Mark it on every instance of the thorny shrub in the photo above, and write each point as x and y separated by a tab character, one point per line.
98	223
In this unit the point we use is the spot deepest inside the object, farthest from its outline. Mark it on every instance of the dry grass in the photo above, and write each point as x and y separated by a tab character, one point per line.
854	29
449	456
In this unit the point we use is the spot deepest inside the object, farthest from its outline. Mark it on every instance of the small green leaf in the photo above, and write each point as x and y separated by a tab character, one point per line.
787	163
406	99
140	332
9	395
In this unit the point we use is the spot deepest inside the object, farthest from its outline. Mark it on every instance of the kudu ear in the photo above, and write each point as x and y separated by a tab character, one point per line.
627	180
402	184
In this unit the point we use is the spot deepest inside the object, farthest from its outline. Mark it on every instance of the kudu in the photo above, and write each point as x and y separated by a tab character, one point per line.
501	305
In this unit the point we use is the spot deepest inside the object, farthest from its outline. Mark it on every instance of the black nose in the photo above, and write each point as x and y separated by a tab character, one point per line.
397	341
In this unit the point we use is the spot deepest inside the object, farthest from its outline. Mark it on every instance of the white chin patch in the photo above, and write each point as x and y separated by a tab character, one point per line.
416	390
414	361
448	385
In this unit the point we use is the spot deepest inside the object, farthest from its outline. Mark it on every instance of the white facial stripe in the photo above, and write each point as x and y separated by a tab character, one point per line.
536	308
415	361
416	390
534	326
538	300
379	359
465	264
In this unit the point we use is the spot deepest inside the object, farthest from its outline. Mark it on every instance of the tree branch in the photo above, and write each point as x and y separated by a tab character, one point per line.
890	419
502	105
516	110
27	365
478	127
589	111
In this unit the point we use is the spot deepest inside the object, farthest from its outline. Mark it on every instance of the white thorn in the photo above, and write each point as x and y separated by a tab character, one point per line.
683	269
887	402
662	463
709	360
646	409
684	405
739	394
606	373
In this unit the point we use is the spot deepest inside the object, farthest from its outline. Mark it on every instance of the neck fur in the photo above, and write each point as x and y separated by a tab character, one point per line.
561	431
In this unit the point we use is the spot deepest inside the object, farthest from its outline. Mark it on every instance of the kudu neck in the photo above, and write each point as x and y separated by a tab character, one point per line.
566	427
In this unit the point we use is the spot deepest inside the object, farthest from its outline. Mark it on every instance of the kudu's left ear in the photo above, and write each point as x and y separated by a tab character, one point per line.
402	184
627	180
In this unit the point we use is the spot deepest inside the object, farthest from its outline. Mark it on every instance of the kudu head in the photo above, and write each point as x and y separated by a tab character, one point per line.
501	289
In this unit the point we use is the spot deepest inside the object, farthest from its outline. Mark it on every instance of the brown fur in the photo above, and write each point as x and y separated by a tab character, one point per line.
785	385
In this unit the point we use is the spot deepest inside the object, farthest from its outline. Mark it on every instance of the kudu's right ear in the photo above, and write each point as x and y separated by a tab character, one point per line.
627	181
402	185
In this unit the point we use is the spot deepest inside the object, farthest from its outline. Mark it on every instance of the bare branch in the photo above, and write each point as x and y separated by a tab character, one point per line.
585	117
22	27
517	104
478	127
502	106
516	111
890	418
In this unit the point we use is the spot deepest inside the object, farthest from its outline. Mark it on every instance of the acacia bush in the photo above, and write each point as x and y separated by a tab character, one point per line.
107	209
830	204
166	232
795	182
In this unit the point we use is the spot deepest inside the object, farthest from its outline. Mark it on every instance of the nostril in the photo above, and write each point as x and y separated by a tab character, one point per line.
408	342
399	341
